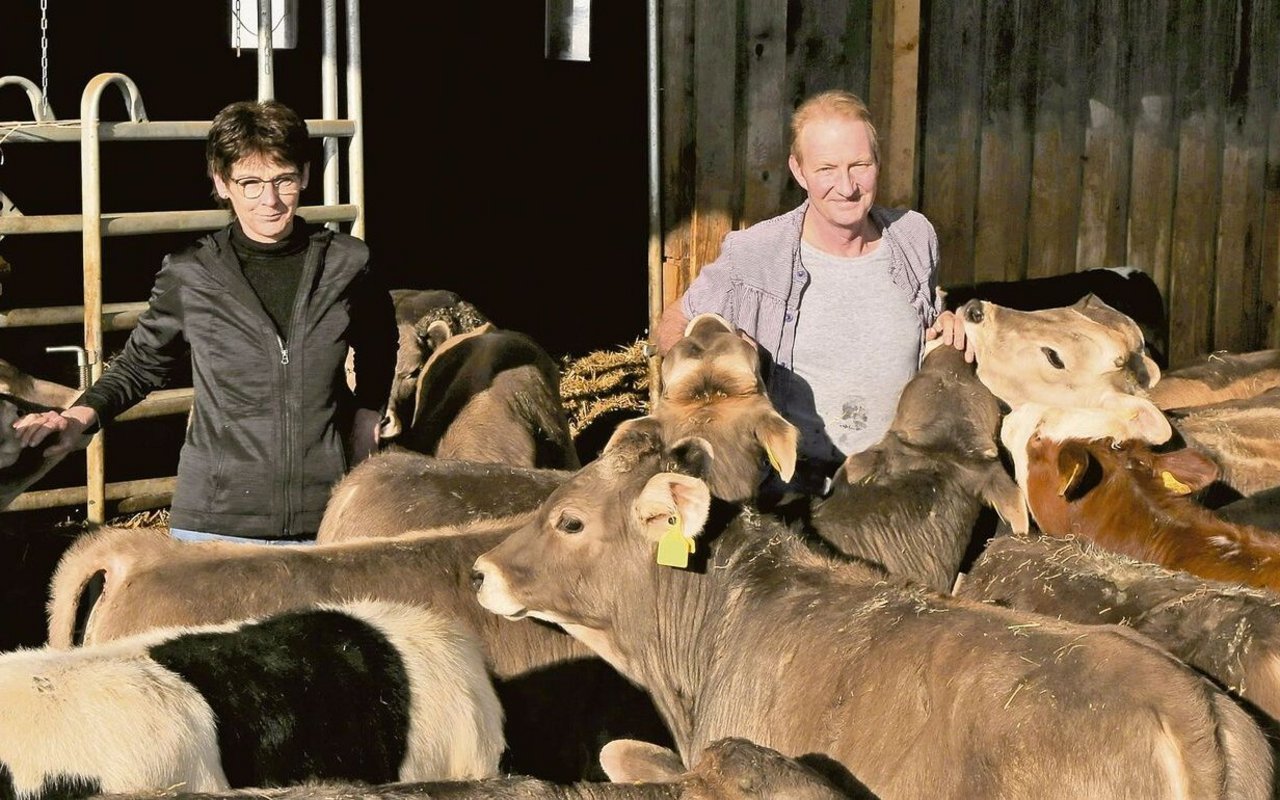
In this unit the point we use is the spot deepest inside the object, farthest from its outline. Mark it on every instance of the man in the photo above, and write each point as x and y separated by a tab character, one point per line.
840	293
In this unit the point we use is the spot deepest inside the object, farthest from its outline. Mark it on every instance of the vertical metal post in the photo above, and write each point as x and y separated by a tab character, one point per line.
329	108
91	252
355	112
655	196
266	82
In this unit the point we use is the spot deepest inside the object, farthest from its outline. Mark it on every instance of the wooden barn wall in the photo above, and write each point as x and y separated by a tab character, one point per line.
1038	137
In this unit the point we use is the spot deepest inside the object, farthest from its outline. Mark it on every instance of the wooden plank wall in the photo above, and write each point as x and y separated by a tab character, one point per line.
1039	137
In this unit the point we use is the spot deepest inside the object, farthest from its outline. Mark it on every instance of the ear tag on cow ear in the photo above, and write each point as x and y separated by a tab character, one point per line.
773	460
1070	479
1173	484
674	547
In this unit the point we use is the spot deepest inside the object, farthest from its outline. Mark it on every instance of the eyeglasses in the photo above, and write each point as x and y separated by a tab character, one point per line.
287	184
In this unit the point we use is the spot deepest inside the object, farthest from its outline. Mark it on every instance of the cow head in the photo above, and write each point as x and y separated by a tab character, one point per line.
1086	487
1073	356
597	535
1120	417
945	413
712	390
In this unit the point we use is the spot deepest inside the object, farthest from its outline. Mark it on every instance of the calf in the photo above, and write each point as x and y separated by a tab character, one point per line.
910	502
1226	631
1074	356
404	697
916	694
1126	498
712	388
1242	437
730	769
1128	290
1261	510
397	491
560	701
1219	377
489	395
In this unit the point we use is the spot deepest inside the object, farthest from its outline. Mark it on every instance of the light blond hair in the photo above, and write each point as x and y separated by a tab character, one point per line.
832	103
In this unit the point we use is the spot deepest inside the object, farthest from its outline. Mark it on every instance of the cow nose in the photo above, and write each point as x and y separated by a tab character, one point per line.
972	311
477	580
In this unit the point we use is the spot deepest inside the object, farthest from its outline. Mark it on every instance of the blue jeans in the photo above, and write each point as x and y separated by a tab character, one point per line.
200	536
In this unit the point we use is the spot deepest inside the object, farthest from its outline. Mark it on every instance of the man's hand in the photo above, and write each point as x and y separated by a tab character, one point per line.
67	427
365	434
951	329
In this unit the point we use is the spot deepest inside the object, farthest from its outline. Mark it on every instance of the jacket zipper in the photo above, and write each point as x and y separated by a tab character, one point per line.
296	325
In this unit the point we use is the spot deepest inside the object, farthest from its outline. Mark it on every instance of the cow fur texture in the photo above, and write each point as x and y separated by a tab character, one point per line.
1229	632
910	503
560	701
363	691
914	693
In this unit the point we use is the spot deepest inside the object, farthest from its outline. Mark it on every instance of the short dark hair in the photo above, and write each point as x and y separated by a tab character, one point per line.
266	128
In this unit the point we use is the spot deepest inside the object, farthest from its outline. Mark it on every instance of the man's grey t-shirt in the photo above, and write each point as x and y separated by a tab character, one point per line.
857	345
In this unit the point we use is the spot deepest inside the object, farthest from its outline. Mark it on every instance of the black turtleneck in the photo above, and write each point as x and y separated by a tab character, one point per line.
274	270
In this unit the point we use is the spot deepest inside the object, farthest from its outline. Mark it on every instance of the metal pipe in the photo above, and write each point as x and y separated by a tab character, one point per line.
655	196
75	495
162	403
35	133
329	104
266	87
91	251
115	316
355	113
40	110
134	223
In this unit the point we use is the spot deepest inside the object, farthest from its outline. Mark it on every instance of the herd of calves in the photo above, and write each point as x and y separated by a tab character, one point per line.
481	618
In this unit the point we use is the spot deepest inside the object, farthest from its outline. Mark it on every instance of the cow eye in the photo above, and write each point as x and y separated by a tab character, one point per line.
569	524
1054	359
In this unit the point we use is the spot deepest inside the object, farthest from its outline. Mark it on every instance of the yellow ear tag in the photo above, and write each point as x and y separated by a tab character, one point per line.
773	460
1062	487
1173	484
674	547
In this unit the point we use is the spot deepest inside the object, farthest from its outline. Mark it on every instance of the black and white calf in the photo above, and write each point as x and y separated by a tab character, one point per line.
367	691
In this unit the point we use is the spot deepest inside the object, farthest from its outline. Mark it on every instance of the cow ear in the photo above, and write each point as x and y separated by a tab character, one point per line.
1142	419
1185	471
437	333
632	761
1002	494
862	464
670	500
1152	370
634	433
779	439
691	455
1074	460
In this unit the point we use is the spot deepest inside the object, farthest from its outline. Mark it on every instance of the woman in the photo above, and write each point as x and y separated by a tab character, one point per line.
267	308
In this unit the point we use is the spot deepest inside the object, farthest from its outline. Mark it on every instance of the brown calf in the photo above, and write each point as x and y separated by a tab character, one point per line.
1123	497
1228	632
1219	377
910	502
560	701
916	694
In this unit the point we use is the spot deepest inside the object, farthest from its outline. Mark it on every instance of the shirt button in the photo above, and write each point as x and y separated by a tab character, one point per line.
799	273
787	316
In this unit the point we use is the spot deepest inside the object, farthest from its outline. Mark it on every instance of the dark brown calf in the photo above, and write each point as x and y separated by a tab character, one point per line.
1123	497
916	694
910	502
1228	632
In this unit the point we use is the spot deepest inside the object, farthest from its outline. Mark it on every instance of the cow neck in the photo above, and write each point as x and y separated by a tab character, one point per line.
512	648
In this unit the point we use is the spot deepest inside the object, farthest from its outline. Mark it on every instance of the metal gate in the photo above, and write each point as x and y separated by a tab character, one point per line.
93	225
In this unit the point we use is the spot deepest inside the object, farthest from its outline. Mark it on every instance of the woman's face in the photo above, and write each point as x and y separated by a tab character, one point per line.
265	195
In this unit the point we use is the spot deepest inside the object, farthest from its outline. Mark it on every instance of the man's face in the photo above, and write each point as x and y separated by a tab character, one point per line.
268	216
837	167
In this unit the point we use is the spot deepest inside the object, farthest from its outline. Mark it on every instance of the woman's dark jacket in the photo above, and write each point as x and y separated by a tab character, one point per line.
264	444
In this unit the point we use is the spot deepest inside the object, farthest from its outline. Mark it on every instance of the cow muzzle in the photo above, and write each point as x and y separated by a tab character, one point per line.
492	591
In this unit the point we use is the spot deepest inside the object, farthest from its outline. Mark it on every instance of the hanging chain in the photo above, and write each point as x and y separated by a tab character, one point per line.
236	23
44	56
